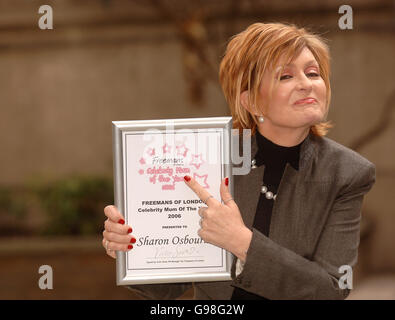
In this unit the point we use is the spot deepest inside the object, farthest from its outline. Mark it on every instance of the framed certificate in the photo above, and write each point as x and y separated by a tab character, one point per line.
151	158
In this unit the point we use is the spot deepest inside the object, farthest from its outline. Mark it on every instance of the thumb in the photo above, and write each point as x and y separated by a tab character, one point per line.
225	193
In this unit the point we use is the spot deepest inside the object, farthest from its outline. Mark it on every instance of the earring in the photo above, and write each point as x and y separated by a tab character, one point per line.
261	119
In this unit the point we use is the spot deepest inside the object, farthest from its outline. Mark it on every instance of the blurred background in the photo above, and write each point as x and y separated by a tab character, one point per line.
109	60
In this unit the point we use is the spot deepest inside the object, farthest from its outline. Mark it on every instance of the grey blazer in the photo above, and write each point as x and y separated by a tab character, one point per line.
314	228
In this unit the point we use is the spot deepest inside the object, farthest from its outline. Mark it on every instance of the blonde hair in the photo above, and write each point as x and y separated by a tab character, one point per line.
259	48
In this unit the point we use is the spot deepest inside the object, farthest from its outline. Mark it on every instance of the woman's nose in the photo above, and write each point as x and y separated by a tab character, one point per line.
304	82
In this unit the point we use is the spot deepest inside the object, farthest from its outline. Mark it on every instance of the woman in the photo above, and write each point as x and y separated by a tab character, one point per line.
295	217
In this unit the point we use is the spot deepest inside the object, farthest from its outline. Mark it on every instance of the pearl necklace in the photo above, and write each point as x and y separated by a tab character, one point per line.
268	194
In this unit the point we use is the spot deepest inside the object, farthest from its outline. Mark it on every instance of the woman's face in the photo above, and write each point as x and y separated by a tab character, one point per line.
299	80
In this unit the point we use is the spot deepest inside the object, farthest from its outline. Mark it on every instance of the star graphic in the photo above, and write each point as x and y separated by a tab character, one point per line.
142	161
151	151
182	150
166	148
195	161
202	180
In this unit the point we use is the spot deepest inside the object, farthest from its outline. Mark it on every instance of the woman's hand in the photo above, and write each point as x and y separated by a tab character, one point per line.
116	235
222	224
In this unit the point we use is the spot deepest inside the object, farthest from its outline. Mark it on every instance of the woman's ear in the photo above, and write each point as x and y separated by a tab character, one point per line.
244	100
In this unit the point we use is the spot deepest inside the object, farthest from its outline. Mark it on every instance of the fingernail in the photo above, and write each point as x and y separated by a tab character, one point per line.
121	221
226	181
187	178
130	246
133	240
130	230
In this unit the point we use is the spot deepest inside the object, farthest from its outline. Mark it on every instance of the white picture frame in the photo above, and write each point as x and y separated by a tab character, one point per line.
150	192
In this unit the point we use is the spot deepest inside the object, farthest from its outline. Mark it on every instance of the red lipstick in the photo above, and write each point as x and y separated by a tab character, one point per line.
306	101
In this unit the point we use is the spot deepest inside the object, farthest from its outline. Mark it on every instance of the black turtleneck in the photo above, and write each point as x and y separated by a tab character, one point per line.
274	157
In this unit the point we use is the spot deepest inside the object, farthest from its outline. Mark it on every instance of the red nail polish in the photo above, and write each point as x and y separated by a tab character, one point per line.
133	240
187	178
130	230
121	221
130	246
226	181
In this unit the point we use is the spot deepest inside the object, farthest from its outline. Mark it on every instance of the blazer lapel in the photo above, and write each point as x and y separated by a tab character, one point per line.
248	189
248	186
285	205
289	200
247	193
